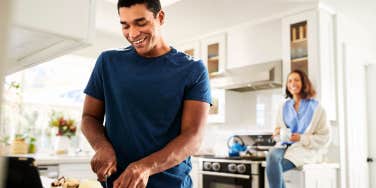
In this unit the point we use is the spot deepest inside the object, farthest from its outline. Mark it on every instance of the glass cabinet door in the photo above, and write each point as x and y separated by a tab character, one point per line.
299	46
190	48
214	54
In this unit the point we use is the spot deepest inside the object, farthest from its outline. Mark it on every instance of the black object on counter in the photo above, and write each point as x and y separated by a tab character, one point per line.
21	172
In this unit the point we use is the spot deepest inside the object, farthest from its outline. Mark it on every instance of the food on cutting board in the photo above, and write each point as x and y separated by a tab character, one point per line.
63	182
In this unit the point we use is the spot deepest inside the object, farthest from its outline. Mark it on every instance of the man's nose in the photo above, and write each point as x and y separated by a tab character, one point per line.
133	33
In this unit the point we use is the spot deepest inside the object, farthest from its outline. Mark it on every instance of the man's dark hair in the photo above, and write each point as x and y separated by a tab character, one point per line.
307	90
153	5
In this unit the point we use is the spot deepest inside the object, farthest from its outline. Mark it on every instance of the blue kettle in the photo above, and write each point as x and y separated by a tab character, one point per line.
235	145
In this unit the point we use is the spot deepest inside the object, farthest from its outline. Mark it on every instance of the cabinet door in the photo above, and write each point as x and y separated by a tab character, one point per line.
321	178
217	110
294	179
190	48
300	46
196	177
308	45
214	54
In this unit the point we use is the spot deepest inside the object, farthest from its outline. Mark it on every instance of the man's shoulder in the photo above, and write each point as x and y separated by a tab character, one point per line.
186	60
186	57
117	51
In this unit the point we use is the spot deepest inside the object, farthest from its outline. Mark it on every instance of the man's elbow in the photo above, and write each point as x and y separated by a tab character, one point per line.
196	143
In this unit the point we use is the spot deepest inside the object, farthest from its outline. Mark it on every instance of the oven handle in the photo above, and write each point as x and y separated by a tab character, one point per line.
224	174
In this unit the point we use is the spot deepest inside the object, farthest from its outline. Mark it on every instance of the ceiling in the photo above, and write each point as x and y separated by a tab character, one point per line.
186	18
164	3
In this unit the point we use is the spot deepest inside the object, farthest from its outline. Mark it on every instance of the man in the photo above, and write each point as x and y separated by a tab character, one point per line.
155	102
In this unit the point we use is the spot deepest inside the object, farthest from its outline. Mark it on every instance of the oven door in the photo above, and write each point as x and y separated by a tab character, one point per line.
226	180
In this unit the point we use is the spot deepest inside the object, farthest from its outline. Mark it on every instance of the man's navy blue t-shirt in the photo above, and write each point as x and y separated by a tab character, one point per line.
143	100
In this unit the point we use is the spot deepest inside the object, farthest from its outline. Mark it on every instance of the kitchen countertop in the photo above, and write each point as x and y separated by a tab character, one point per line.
47	159
315	165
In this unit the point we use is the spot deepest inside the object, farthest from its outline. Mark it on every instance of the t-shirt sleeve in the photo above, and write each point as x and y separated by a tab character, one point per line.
94	87
199	87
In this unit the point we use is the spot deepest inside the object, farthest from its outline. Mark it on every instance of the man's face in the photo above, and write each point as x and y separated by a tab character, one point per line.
141	28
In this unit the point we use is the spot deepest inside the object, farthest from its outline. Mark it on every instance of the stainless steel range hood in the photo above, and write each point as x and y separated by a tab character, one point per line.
250	78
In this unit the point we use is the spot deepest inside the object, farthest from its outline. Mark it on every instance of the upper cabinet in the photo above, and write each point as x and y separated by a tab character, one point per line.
214	54
191	48
308	43
43	29
254	43
212	50
300	44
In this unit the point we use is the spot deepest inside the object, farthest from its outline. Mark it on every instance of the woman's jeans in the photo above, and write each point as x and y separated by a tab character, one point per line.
275	166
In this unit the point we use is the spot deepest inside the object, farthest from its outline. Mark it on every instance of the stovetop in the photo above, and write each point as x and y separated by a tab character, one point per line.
250	158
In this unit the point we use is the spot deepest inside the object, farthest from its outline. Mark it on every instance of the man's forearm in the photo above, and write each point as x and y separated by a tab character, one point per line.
94	132
173	153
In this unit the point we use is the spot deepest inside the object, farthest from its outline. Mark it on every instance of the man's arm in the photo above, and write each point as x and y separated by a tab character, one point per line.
104	160
186	144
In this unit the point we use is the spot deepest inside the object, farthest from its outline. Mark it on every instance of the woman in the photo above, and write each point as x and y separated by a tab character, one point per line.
310	136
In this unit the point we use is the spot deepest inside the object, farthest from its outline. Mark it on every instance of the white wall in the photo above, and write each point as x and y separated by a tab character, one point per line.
241	118
191	18
101	42
354	48
4	28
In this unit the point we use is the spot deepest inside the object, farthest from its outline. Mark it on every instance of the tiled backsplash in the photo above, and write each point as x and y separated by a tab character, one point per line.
247	112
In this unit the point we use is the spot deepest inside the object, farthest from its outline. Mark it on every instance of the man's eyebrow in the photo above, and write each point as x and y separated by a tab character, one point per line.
135	20
139	19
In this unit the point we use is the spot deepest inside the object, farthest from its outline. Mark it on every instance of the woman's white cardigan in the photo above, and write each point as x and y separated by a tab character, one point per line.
313	144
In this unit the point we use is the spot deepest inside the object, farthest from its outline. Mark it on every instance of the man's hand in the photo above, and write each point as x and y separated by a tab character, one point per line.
103	162
295	137
136	175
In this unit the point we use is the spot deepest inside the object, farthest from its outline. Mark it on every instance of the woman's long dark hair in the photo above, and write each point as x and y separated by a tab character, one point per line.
307	90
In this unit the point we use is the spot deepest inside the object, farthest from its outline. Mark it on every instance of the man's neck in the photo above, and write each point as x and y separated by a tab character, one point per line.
160	49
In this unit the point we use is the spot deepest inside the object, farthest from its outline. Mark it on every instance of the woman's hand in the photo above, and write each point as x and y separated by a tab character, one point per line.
276	133
295	137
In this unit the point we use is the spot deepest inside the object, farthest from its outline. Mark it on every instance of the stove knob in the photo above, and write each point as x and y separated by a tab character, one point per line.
231	167
216	166
241	168
207	166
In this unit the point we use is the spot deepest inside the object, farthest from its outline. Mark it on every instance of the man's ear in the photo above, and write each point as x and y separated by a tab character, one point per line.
161	17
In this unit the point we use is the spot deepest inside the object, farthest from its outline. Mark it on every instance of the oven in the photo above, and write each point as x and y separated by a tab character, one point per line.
243	171
230	173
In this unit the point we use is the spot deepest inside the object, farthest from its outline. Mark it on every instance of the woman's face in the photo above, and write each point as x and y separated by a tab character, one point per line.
294	84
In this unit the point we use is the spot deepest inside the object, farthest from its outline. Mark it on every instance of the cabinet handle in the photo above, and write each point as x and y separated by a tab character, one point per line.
369	159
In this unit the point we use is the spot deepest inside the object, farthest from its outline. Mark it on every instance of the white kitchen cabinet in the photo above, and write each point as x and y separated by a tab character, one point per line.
212	50
213	53
191	48
308	43
43	29
311	176
196	177
254	43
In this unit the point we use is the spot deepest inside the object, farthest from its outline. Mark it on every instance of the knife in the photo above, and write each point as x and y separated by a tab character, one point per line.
105	180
